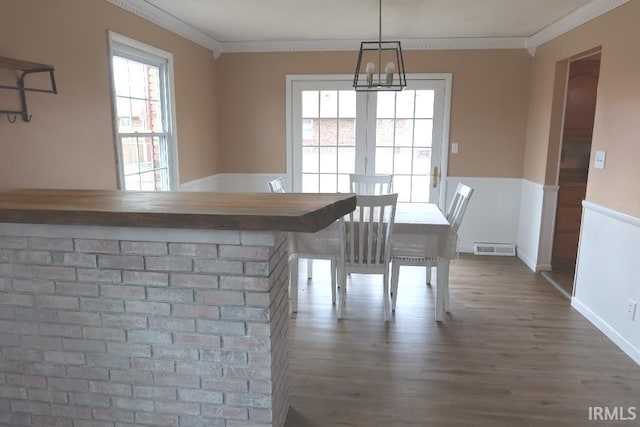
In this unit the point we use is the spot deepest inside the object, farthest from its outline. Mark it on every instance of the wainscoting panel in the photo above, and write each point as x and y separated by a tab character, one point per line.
492	214
233	183
607	274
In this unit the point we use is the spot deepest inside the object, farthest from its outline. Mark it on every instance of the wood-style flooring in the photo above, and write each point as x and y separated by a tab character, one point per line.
512	353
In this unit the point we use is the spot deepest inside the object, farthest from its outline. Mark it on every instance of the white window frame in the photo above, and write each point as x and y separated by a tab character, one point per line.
292	156
129	48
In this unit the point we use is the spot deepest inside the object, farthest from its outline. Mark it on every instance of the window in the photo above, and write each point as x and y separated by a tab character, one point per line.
335	131
145	141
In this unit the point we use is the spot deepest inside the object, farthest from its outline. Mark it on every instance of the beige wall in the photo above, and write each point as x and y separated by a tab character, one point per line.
488	116
70	142
617	123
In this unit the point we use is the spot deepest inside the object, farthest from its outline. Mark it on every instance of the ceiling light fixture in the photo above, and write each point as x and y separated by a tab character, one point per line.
380	52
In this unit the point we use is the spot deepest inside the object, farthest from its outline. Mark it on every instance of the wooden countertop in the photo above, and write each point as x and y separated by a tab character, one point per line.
215	211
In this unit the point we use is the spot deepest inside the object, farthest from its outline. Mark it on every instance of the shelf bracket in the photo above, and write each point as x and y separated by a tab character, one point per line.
25	69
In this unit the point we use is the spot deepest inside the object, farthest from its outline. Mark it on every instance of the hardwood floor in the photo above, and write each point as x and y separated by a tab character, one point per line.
511	353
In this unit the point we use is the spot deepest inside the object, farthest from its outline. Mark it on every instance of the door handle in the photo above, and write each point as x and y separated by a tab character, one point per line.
435	177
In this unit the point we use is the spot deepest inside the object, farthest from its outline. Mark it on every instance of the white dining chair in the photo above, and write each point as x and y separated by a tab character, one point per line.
277	185
321	245
454	216
366	246
365	185
370	185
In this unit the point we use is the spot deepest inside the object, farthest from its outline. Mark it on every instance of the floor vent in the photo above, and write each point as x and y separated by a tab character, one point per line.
496	249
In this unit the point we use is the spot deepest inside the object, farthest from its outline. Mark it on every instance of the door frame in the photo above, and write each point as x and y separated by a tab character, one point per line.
446	119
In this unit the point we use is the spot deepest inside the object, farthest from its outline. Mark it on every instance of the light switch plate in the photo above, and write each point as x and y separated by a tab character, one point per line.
601	156
454	148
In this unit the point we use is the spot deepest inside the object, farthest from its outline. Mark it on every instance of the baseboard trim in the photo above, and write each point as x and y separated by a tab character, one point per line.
605	328
543	267
528	260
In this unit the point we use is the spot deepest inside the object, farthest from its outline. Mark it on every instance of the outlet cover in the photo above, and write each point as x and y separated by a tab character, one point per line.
631	309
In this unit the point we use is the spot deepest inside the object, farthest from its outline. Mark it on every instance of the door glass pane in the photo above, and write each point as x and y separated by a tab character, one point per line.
423	132
328	159
328	103
328	183
384	161
421	161
424	104
310	183
420	189
402	161
346	159
384	132
343	184
402	186
310	131
310	159
386	105
347	132
310	104
404	133
347	104
404	104
328	132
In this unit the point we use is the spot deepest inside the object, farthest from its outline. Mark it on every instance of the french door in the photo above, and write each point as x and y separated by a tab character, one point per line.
336	131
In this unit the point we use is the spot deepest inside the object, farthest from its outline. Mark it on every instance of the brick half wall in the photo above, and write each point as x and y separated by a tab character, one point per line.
115	327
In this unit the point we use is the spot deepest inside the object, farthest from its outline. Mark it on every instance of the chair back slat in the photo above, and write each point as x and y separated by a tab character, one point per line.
277	185
370	185
459	205
368	230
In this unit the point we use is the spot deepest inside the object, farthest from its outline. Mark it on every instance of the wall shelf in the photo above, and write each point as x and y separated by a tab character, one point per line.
25	68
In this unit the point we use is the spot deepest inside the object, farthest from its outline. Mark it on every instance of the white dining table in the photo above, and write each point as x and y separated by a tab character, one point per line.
420	230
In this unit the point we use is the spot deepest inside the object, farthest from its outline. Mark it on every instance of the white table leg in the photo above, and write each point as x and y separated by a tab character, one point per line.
309	268
442	284
293	283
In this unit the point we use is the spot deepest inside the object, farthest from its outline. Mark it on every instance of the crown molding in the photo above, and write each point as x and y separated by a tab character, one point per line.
590	11
572	20
354	45
169	22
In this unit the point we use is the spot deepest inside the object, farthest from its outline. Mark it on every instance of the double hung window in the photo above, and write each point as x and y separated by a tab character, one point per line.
145	138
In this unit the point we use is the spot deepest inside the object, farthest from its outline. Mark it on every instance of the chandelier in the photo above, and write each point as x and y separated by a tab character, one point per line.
369	75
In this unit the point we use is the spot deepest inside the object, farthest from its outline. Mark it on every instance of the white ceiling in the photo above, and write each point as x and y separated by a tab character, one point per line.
334	25
313	20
